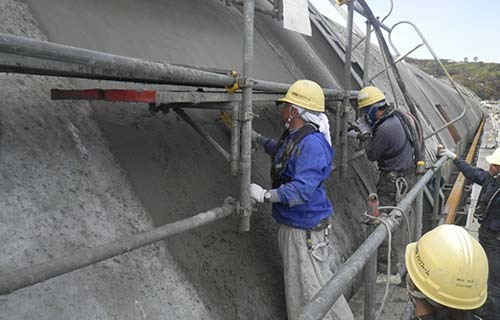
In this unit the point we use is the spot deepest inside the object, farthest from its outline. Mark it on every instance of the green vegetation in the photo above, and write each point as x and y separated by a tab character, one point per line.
481	77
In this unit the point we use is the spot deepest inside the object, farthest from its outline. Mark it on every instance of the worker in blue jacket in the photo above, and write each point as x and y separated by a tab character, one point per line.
301	162
487	213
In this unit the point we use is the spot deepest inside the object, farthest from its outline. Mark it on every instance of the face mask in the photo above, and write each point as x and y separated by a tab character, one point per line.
416	294
371	114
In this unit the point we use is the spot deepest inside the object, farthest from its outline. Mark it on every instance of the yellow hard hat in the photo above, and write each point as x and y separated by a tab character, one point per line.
306	94
449	267
368	96
494	158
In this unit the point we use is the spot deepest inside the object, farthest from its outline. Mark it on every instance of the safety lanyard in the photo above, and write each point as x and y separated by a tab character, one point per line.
313	246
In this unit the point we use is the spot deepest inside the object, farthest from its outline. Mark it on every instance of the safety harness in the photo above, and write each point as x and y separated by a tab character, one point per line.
277	178
412	132
279	165
324	226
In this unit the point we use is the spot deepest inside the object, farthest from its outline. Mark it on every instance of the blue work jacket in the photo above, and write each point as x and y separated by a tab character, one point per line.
304	201
489	187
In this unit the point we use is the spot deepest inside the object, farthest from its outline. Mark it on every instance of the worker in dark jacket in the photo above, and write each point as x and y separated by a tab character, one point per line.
301	161
487	213
387	141
447	274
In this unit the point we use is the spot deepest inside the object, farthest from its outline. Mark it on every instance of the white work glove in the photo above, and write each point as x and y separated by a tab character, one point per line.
363	126
353	134
258	138
257	192
447	153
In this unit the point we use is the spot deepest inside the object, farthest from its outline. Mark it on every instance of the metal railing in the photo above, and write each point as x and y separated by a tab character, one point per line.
369	30
326	297
22	55
438	61
29	56
11	281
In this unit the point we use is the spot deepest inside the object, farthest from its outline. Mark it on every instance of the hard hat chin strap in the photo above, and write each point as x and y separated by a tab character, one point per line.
416	294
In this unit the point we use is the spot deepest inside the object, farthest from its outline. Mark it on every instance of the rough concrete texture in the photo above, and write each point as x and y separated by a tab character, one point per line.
61	189
77	175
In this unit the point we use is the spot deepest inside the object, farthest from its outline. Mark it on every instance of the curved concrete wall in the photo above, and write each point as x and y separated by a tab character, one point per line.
80	174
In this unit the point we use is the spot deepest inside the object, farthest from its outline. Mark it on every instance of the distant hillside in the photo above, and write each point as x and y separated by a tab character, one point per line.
481	77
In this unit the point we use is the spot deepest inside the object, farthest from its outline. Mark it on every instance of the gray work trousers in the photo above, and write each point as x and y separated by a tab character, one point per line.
306	272
386	191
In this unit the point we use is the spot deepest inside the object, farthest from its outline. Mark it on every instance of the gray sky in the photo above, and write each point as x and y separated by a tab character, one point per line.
455	29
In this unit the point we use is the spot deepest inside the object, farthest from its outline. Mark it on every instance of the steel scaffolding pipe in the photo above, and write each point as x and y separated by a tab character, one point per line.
396	61
347	86
235	141
386	52
29	56
203	133
362	11
15	280
277	87
366	63
323	301
83	63
369	30
438	61
245	116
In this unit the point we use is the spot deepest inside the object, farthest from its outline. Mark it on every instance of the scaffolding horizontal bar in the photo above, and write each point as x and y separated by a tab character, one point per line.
115	95
196	97
330	94
29	56
85	63
15	280
326	297
210	99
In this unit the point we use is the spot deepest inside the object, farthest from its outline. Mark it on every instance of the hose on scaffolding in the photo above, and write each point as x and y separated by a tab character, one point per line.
401	191
389	251
386	52
389	246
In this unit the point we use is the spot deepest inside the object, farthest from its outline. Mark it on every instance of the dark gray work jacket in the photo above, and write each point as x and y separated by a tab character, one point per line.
390	146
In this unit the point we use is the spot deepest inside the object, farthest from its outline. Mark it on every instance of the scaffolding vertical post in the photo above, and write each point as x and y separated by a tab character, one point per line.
366	62
235	140
370	278
246	114
419	207
338	121
436	206
347	86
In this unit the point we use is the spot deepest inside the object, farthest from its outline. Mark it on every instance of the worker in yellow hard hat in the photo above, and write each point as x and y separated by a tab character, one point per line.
487	213
388	140
301	161
447	274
